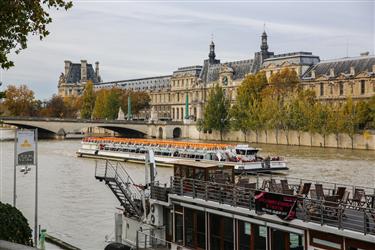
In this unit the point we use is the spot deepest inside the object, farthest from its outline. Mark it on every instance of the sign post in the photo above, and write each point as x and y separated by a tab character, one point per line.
25	154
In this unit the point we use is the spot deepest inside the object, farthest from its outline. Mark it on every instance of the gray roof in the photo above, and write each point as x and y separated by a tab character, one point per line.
142	84
342	66
211	72
74	73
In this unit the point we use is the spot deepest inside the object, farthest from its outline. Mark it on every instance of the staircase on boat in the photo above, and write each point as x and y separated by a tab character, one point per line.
123	187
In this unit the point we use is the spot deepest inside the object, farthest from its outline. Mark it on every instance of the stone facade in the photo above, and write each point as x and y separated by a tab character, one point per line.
335	80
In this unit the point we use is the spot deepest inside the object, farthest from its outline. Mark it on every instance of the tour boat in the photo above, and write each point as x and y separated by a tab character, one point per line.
243	158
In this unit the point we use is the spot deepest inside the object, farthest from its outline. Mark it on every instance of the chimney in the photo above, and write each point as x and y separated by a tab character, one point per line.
331	72
313	74
352	71
83	70
97	70
366	53
67	66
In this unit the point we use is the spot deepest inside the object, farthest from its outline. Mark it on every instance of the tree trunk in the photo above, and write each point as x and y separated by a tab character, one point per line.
221	135
277	136
324	141
245	135
266	132
311	136
337	140
352	140
256	135
299	138
287	136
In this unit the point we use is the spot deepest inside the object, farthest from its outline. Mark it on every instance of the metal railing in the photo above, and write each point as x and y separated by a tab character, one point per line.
113	171
336	214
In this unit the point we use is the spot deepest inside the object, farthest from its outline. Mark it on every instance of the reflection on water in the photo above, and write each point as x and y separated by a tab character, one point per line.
79	209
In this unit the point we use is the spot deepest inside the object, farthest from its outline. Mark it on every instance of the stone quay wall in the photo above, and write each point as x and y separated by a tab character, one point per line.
361	141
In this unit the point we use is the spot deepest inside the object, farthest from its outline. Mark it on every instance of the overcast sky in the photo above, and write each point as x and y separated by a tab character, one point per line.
134	39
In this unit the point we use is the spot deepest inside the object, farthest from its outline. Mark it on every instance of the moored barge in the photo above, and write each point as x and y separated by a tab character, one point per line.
205	206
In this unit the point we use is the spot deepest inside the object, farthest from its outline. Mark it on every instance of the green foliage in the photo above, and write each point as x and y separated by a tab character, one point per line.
140	100
88	101
244	111
14	226
100	102
216	111
2	94
112	104
19	19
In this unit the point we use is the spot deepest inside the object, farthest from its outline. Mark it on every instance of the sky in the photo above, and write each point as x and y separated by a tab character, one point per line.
133	39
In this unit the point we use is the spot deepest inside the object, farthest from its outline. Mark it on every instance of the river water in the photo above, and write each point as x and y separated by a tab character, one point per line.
80	210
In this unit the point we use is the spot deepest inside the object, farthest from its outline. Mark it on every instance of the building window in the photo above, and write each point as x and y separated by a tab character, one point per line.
321	89
341	86
182	113
363	87
331	88
172	113
177	114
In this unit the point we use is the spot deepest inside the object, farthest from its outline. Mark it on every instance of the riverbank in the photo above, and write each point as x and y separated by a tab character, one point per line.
365	141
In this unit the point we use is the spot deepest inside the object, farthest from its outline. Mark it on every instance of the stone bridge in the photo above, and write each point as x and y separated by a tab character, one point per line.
59	128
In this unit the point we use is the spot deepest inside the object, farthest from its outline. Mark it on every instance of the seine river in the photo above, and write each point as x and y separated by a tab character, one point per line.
80	210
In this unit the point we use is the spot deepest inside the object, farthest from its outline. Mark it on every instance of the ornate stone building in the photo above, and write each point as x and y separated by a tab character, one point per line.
336	80
75	76
182	95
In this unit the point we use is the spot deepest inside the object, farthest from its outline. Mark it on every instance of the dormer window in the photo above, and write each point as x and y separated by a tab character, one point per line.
321	89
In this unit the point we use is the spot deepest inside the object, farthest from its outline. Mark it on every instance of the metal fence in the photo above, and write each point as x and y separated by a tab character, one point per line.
336	214
146	240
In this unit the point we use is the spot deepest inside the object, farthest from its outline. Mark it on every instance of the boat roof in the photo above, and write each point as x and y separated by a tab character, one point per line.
161	143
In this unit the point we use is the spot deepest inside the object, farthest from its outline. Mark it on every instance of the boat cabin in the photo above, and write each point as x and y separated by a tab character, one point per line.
203	171
245	150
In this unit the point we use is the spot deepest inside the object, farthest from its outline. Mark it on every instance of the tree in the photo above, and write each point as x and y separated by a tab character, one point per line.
336	121
140	100
20	101
112	104
216	111
55	107
352	120
284	81
371	106
19	19
100	101
2	94
88	101
322	124
14	226
248	93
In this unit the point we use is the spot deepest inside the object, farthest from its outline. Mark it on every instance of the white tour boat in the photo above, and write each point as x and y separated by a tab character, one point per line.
242	157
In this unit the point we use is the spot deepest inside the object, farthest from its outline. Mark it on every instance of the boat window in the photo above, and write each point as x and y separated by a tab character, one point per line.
240	151
251	152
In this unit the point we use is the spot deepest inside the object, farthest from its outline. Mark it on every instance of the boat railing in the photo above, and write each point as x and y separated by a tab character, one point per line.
295	182
347	215
160	191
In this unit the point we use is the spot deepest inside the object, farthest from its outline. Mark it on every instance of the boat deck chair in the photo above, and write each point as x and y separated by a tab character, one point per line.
319	191
285	187
304	189
358	197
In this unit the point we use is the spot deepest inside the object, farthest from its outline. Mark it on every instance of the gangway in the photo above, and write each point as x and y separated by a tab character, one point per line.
122	185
